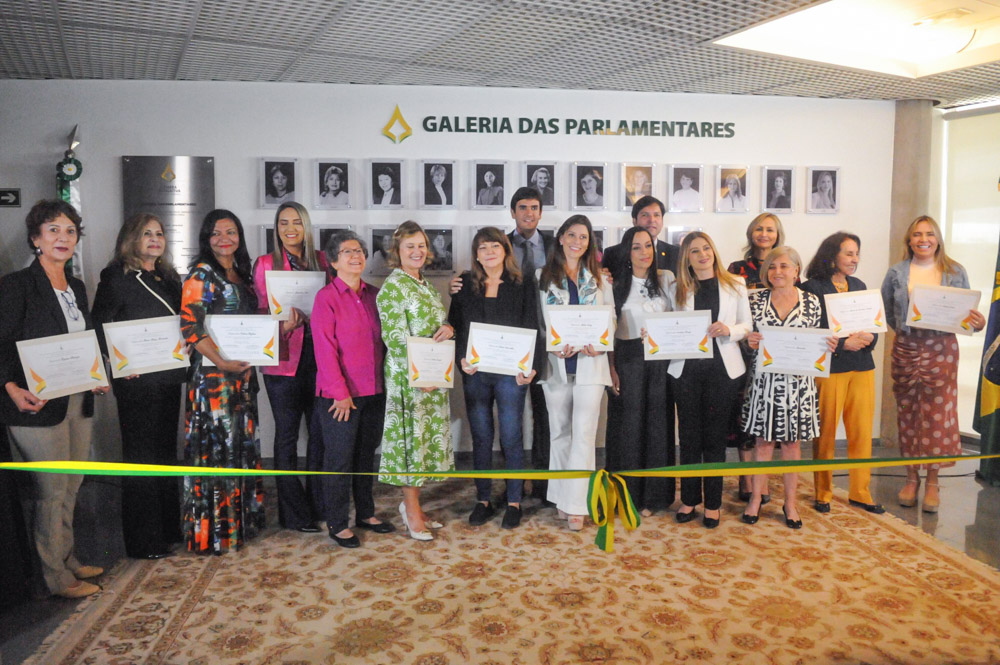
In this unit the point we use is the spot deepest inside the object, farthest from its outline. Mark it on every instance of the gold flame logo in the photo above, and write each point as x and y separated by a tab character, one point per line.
168	173
404	130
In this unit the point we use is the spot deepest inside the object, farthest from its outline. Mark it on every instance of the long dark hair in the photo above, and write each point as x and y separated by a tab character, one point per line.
206	255
622	279
555	264
824	264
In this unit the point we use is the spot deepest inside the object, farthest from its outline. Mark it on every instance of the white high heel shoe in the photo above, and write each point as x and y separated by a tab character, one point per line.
416	535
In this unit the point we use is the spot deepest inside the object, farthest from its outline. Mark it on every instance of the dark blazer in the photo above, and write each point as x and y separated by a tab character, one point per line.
667	257
516	306
547	243
393	200
31	310
121	296
843	361
432	198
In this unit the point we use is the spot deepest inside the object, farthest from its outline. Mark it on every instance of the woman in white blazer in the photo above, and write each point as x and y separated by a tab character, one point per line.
706	389
573	379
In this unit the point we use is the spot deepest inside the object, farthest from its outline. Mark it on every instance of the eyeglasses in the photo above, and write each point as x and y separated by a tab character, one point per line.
352	252
70	301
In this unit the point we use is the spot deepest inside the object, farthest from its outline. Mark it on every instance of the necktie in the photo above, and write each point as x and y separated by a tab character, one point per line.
528	260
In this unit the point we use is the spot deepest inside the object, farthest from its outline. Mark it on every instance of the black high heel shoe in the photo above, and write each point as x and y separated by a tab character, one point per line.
790	523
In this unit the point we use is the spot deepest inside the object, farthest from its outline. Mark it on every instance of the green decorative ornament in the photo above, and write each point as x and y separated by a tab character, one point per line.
69	169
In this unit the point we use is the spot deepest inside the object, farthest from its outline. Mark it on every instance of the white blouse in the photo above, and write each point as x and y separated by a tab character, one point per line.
639	302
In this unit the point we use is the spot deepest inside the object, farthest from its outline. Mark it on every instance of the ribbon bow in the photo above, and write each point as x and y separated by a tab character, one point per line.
607	492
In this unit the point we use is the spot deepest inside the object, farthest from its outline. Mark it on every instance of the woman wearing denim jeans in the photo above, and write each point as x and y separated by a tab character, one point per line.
494	292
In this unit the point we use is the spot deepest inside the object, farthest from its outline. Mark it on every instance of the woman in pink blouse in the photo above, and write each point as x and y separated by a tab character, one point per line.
350	391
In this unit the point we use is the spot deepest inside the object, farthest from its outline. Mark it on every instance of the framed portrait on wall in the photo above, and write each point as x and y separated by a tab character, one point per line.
332	180
675	234
437	184
684	182
823	195
266	238
602	235
732	182
277	181
442	246
777	186
487	191
547	232
322	233
542	176
587	185
385	183
637	182
379	244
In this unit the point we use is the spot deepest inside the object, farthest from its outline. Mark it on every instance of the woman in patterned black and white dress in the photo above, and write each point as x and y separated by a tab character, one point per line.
780	408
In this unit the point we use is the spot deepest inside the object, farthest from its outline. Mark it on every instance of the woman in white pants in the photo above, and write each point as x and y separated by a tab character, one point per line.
574	378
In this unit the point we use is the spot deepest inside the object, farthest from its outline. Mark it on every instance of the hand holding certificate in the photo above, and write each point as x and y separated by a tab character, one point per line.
801	351
855	311
579	326
942	308
678	335
430	364
288	289
145	346
62	365
252	339
501	349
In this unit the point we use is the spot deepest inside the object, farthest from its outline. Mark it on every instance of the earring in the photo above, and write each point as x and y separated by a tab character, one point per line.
38	251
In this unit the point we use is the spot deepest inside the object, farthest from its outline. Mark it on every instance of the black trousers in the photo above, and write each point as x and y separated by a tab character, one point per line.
705	397
350	446
539	438
151	513
640	432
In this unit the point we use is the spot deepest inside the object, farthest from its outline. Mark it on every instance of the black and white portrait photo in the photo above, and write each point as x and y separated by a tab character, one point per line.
732	183
685	188
776	195
638	182
378	250
386	184
439	184
600	236
266	239
588	180
547	233
542	176
487	190
333	188
277	181
325	231
824	189
441	247
675	234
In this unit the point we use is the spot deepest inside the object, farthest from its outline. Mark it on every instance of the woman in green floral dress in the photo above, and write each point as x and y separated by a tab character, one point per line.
417	434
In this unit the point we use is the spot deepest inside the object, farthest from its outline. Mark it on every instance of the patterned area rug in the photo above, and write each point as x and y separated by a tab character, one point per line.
848	588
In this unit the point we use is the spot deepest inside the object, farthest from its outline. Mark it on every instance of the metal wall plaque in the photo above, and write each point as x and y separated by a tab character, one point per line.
178	190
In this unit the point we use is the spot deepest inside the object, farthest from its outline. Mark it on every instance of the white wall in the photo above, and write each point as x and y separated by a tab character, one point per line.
239	122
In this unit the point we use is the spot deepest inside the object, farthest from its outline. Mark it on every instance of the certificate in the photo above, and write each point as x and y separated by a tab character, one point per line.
430	364
501	349
801	351
678	335
251	338
62	365
288	289
855	311
943	308
580	325
145	346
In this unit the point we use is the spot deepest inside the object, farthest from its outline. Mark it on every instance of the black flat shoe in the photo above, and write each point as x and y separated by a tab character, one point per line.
710	522
350	542
790	523
874	508
481	514
381	527
308	529
749	519
684	518
511	518
822	506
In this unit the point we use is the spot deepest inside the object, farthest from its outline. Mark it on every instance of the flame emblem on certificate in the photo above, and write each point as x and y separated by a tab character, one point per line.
967	322
556	339
94	373
122	359
653	346
767	357
522	365
269	348
447	372
836	324
703	344
878	320
916	314
819	363
416	373
277	305
604	338
474	360
177	351
39	382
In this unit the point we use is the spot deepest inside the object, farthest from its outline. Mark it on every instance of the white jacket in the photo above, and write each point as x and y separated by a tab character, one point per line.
589	369
734	311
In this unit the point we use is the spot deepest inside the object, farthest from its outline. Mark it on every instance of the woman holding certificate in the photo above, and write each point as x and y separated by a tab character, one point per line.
220	514
780	409
640	434
924	362
850	388
141	283
494	292
575	377
705	389
43	300
417	435
291	386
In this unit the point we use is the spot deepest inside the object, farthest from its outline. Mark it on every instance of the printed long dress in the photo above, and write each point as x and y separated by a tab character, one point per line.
219	514
782	407
417	435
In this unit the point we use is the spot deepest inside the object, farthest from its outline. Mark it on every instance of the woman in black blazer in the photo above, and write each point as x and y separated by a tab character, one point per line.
42	300
495	292
140	283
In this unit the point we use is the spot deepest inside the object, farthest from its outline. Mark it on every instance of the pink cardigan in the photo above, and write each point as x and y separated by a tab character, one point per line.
291	344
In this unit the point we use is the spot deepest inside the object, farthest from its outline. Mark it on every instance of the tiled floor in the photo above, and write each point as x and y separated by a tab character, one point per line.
969	520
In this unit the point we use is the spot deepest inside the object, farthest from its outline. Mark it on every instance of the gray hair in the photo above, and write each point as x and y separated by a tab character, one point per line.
777	253
332	249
